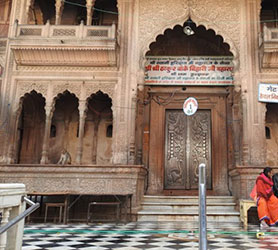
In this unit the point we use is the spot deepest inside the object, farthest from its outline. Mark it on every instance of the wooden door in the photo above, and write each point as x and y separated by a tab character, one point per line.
177	144
187	144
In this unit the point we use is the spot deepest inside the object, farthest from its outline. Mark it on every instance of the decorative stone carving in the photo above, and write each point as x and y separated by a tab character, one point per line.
24	87
161	19
106	88
85	180
65	69
72	87
59	55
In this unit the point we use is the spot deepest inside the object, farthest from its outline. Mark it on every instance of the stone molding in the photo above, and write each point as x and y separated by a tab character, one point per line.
72	56
65	69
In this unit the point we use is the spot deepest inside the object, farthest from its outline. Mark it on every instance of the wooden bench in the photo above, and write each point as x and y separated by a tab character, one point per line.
244	207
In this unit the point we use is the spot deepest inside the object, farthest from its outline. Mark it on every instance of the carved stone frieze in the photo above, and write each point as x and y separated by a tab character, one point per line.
24	87
76	180
221	16
65	69
26	55
72	87
106	88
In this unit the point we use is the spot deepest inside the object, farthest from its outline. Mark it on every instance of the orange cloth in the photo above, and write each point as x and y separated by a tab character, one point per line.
272	205
263	211
264	193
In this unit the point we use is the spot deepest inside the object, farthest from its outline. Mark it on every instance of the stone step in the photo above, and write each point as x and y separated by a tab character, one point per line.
227	218
189	199
188	206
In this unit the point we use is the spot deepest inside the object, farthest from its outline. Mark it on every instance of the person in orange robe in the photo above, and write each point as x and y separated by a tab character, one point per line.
264	191
273	202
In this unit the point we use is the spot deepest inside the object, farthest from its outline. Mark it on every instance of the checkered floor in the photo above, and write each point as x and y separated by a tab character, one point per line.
151	236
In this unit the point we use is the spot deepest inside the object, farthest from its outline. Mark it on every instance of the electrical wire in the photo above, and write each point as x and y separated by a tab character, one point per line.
116	13
84	6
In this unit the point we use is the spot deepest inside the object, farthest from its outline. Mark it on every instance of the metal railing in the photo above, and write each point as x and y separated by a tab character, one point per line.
18	218
202	208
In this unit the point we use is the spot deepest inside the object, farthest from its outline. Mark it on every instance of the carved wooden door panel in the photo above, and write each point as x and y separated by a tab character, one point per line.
187	144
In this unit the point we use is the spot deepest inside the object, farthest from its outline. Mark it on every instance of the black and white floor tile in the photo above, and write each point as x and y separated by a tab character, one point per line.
149	236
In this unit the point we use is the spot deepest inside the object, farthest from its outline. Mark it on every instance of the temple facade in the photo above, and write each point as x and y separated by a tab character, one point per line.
139	93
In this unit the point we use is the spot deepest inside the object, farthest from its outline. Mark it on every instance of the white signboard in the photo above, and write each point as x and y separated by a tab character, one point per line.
268	92
194	70
190	106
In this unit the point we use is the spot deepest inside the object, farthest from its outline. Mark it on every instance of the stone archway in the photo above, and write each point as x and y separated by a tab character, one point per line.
64	127
98	130
198	21
30	128
177	143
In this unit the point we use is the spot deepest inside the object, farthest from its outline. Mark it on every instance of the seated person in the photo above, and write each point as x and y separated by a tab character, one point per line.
264	191
65	158
273	202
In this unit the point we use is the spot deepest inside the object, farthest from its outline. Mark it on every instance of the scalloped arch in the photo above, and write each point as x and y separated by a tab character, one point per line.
26	88
88	98
21	98
74	89
198	21
59	95
103	91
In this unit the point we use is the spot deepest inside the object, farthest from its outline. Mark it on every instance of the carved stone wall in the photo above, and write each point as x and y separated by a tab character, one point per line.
58	87
157	15
77	180
66	136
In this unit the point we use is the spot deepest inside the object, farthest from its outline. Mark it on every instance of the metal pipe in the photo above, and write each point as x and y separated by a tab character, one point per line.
202	208
15	220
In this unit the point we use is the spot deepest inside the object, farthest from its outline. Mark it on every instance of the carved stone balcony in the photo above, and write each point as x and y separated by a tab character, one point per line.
51	45
269	48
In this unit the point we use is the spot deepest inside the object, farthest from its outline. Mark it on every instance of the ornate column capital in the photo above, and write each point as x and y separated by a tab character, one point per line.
89	5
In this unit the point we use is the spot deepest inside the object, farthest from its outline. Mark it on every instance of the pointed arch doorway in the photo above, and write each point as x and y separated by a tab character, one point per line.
179	143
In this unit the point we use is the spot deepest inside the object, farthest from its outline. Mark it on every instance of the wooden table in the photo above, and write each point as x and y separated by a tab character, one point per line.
124	198
42	194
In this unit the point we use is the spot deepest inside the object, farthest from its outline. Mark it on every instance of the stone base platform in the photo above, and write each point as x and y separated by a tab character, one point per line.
78	179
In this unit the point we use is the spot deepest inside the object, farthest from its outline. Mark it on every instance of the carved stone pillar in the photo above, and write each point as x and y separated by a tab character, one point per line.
124	139
29	6
5	220
59	10
90	4
131	157
82	117
13	134
253	120
95	140
45	147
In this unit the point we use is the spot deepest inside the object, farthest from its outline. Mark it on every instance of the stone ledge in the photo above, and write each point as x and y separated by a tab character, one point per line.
78	179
